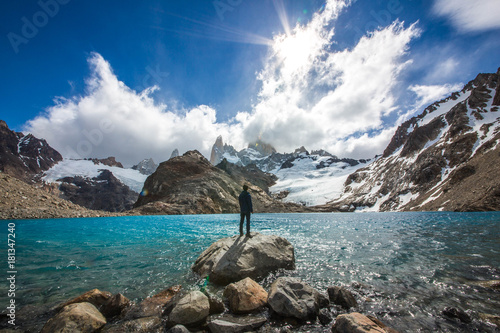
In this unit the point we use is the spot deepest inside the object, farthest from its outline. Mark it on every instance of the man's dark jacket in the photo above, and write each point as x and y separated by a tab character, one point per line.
245	202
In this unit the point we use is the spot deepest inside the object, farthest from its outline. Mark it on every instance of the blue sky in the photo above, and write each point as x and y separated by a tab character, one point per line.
137	79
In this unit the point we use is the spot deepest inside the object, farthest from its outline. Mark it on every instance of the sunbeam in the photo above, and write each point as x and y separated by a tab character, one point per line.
280	9
220	32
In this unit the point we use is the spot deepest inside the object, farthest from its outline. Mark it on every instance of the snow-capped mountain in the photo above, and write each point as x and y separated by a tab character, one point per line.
99	184
134	179
313	179
24	156
146	167
306	178
447	158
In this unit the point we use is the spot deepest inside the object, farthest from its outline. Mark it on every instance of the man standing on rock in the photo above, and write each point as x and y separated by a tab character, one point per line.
245	209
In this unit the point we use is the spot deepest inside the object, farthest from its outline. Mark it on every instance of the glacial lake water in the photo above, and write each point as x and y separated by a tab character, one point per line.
404	268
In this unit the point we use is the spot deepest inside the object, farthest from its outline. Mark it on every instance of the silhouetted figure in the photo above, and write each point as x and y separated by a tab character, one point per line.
245	209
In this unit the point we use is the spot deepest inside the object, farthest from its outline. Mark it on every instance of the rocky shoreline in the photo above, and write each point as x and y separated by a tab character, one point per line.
290	305
243	305
20	200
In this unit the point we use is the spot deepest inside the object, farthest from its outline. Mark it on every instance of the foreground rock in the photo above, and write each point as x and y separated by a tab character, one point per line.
455	313
95	297
77	317
115	306
235	258
233	324
153	306
355	323
492	284
245	296
290	297
176	311
493	319
342	297
189	310
140	325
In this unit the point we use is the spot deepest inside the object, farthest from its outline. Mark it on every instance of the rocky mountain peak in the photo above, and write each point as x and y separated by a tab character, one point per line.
24	156
301	150
264	148
194	156
175	153
496	99
190	184
104	192
440	159
109	161
146	166
322	152
217	151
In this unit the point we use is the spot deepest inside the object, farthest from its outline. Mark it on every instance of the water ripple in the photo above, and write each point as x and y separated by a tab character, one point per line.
403	267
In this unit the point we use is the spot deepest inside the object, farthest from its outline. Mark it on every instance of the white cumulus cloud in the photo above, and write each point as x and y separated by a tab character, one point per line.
315	96
470	15
312	95
112	119
429	94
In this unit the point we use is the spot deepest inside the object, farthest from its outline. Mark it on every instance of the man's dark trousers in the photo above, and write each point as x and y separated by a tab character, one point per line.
242	219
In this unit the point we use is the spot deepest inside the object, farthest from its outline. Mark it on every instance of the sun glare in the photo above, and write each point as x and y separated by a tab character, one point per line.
296	49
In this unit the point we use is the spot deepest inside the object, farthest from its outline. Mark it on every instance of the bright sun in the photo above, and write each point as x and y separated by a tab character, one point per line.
296	49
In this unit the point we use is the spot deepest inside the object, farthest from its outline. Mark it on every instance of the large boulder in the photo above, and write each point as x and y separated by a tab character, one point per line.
189	310
290	297
178	328
95	296
77	317
234	324
235	258
341	296
140	325
355	323
153	306
115	306
245	296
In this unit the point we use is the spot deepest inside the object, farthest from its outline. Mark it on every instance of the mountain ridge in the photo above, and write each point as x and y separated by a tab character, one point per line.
431	156
445	158
190	184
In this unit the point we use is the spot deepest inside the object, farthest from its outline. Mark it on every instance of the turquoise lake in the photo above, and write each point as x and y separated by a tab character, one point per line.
404	268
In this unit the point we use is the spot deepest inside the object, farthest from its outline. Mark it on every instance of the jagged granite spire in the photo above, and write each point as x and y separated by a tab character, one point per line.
175	153
146	166
217	151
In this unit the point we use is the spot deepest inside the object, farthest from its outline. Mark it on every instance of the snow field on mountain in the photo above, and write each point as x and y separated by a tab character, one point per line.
444	108
489	117
311	186
71	168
